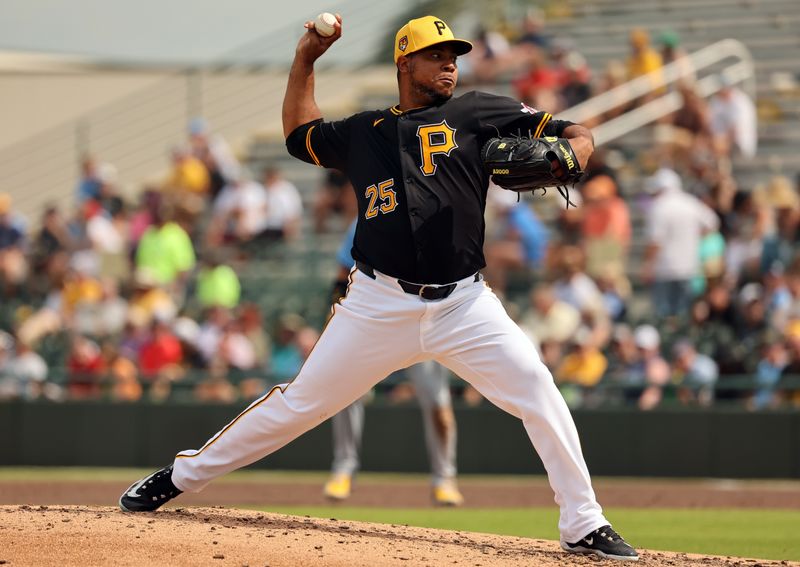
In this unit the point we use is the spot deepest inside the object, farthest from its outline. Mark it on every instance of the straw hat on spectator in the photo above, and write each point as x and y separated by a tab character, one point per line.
778	193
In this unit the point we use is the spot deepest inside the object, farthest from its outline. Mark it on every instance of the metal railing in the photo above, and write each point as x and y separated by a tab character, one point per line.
728	58
728	391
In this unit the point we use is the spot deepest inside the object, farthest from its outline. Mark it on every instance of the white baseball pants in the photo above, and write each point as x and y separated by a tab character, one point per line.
377	329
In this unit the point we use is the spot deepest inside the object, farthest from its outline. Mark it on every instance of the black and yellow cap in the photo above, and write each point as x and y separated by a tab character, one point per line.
423	32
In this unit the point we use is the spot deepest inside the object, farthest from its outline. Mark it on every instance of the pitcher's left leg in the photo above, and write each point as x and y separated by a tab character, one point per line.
480	343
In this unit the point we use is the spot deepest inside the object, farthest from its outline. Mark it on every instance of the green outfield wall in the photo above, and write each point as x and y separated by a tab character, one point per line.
675	443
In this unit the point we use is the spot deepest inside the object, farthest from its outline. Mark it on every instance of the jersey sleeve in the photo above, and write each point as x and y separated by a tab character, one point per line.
321	143
504	116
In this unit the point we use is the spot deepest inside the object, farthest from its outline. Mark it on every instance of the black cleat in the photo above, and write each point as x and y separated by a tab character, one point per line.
150	493
604	542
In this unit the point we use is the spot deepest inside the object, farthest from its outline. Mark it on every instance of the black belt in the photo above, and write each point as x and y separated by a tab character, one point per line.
425	291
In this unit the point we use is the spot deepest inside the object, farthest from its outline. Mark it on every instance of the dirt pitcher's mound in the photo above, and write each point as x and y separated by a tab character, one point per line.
82	536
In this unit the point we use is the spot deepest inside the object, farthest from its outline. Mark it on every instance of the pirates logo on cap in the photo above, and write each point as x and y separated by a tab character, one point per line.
403	43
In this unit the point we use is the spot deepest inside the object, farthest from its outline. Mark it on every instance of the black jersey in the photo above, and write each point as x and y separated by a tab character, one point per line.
419	179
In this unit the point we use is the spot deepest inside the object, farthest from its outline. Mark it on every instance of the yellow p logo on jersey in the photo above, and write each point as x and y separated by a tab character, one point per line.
435	139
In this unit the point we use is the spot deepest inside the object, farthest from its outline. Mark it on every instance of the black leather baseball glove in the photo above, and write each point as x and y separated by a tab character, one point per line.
525	164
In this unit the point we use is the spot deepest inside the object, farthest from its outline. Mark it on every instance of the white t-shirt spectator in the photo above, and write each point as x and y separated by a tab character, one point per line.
247	202
23	376
735	113
104	235
676	223
283	204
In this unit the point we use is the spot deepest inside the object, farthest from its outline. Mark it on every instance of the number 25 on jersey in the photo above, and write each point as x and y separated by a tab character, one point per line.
388	199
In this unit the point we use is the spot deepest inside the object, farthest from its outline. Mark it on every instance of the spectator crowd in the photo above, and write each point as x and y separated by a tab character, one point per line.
676	285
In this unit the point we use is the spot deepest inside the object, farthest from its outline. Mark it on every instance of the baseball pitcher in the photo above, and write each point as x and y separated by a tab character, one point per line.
420	170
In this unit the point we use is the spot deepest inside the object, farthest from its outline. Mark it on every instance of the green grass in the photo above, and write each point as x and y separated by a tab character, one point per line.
763	534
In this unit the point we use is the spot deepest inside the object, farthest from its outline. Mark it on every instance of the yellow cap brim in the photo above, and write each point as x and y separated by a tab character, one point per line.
461	46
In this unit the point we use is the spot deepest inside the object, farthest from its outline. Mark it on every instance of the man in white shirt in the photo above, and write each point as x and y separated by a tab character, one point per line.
676	223
240	212
284	206
733	121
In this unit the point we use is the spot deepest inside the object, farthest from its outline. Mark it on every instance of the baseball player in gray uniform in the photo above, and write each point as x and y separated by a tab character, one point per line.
415	292
432	389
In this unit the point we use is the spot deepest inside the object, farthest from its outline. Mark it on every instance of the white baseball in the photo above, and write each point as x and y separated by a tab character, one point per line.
324	24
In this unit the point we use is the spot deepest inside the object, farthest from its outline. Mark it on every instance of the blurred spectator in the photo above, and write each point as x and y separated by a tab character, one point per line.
643	59
695	373
777	297
774	360
733	121
606	224
781	206
240	213
217	283
149	301
166	252
653	370
144	215
108	177
253	328
104	317
335	196
744	235
13	265
284	207
52	237
133	337
533	29
751	329
574	286
616	290
188	175
235	348
672	52
161	355
551	352
188	182
687	136
107	236
188	331
576	86
216	155
86	369
80	291
125	386
518	240
286	355
583	367
489	58
216	388
210	333
23	373
676	223
539	83
624	372
550	319
88	187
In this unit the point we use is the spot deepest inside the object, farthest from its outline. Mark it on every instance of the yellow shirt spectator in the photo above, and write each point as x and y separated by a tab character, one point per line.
189	174
584	367
643	58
